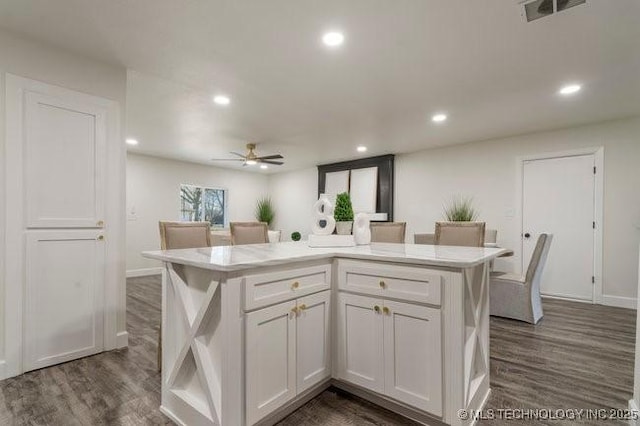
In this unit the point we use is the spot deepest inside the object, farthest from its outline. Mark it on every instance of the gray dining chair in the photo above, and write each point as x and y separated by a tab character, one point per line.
468	234
518	297
249	233
424	239
388	232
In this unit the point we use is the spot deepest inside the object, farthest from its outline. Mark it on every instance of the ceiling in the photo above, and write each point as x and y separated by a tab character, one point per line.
403	60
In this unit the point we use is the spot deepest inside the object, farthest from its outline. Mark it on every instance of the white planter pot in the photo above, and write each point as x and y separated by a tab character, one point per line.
344	228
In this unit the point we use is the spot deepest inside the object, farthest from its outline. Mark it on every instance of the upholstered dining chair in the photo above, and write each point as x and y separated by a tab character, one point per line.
181	235
388	232
469	234
248	233
424	239
518	297
491	236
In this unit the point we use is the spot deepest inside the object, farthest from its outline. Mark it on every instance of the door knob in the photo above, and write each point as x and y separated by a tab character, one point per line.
527	235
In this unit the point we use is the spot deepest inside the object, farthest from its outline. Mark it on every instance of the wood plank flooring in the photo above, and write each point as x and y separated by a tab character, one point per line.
579	356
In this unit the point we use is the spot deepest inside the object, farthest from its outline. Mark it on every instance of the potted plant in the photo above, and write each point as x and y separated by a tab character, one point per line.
343	214
266	213
460	209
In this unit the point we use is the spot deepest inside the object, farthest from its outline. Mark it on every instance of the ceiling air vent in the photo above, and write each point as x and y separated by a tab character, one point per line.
537	9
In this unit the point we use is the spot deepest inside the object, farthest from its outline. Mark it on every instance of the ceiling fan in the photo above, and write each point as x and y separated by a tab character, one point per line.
250	158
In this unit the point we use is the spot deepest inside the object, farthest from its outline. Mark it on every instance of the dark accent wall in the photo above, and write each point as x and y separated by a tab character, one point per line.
385	165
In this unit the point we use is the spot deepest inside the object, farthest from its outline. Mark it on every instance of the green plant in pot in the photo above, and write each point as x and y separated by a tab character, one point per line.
460	209
265	211
343	214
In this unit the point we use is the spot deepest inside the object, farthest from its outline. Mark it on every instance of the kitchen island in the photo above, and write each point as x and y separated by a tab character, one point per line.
250	333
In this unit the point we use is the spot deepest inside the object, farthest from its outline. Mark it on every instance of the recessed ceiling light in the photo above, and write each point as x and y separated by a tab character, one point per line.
362	148
570	89
264	166
132	142
333	39
221	100
251	162
439	118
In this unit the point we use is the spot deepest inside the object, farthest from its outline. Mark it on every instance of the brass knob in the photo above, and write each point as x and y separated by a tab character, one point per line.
382	284
100	237
100	223
386	310
302	307
294	310
295	285
376	309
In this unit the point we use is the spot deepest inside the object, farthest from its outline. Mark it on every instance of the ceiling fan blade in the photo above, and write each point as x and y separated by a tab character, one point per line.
238	154
277	163
271	157
227	159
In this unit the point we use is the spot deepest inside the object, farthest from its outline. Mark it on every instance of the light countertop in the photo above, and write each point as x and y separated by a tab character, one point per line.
236	258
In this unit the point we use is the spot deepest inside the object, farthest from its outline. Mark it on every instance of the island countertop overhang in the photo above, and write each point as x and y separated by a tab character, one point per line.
242	257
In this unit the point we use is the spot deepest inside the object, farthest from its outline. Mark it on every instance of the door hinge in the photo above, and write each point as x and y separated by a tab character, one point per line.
593	279
594	170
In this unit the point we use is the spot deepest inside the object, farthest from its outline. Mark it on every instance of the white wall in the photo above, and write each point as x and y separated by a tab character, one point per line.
486	170
51	65
153	192
293	195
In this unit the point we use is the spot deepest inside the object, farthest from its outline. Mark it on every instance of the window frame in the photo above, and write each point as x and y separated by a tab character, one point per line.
225	209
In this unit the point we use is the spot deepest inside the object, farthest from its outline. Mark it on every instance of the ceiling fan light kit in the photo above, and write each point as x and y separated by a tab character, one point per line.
251	159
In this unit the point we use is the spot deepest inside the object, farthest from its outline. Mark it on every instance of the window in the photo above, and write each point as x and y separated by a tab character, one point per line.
198	203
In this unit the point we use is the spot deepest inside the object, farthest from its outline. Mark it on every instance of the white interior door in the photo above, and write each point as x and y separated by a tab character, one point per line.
559	198
63	296
313	340
64	162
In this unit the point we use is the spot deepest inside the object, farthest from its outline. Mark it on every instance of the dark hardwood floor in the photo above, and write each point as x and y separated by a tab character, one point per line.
579	356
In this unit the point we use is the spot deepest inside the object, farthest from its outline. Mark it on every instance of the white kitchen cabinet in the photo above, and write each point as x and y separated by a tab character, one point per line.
392	348
413	355
313	340
360	333
287	352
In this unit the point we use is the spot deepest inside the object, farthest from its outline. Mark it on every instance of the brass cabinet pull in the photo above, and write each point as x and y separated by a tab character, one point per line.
100	223
377	309
294	310
100	237
302	307
386	310
295	285
382	284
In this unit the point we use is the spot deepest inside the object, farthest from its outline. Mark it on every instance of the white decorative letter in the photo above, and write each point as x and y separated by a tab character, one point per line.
323	211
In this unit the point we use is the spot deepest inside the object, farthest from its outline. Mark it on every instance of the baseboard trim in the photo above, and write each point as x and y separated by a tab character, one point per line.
3	370
634	412
134	273
620	301
122	339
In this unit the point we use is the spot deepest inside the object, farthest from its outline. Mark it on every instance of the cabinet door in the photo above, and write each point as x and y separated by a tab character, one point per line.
360	352
412	355
64	161
270	359
313	340
64	296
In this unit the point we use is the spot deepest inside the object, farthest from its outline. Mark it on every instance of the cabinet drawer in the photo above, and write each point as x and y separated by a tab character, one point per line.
274	287
409	283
